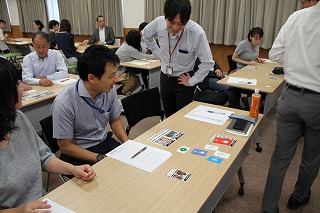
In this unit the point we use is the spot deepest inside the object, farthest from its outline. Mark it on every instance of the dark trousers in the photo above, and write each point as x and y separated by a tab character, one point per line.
104	147
174	95
297	113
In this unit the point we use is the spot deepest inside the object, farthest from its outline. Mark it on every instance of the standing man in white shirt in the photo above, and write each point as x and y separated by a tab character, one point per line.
182	41
43	65
3	37
298	110
103	34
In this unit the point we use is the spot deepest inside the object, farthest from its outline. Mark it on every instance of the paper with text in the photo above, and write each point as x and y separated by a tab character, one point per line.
247	81
147	160
209	115
64	81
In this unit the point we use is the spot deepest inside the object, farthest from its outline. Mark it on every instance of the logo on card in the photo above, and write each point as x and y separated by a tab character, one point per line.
199	152
215	159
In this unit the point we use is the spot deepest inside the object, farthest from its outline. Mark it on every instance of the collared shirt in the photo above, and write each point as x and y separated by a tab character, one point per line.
3	46
193	43
297	48
74	119
247	52
102	35
52	66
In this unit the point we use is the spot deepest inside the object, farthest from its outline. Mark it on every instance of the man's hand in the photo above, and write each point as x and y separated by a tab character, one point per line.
25	87
100	43
184	79
45	82
84	172
219	73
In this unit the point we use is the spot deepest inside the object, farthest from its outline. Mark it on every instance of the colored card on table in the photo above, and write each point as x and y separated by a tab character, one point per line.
222	154
183	149
223	140
214	159
178	174
199	152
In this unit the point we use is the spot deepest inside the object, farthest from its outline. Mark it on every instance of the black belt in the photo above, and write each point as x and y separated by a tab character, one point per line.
302	90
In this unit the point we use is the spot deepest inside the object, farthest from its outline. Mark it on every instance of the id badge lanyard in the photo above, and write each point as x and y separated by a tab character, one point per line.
169	69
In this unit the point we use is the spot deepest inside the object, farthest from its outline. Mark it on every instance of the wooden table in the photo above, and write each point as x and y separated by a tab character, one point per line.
154	69
37	109
21	45
119	187
82	48
266	83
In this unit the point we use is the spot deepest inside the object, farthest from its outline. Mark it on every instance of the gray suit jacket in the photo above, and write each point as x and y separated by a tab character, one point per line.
108	34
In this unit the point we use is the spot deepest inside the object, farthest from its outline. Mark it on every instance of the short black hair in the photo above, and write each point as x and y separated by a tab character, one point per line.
133	38
38	22
174	7
142	26
40	34
8	97
3	21
99	17
255	31
65	25
53	23
94	60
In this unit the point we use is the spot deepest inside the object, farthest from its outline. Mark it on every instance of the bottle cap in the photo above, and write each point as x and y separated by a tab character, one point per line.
256	90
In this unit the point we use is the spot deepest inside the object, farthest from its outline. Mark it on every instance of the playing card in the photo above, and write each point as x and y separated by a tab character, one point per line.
199	152
178	174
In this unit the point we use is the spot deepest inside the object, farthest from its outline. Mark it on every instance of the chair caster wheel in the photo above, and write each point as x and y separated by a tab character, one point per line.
241	191
259	149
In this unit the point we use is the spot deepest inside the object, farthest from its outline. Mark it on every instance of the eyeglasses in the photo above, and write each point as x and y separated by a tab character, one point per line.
257	38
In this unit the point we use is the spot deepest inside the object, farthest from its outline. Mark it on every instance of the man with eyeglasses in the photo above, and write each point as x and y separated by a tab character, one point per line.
102	35
82	112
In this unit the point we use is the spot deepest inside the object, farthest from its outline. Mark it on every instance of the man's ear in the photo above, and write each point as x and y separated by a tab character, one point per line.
91	78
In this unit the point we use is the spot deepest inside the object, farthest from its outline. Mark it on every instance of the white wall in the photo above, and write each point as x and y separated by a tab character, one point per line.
13	9
133	13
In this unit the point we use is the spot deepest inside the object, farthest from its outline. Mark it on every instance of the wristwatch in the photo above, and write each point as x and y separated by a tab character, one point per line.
100	157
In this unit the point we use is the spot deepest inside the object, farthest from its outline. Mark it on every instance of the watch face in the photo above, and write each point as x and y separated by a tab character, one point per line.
100	157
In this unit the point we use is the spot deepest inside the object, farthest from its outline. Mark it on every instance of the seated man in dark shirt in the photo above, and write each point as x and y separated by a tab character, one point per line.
210	83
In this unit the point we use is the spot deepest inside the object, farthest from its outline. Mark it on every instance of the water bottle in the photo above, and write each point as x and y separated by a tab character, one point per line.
255	104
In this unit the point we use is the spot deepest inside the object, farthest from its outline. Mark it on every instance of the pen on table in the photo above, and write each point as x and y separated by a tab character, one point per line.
64	80
210	111
135	155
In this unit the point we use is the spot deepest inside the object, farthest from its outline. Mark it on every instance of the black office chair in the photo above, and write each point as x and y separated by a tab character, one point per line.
47	129
232	64
141	105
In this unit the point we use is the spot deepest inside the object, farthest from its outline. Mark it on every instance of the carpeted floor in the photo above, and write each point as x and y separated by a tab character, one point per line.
255	170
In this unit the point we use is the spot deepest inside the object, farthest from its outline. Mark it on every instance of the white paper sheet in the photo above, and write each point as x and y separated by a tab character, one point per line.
148	160
209	115
247	81
141	62
56	208
268	61
64	81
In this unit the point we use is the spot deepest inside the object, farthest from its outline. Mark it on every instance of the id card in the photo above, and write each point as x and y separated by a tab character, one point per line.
169	70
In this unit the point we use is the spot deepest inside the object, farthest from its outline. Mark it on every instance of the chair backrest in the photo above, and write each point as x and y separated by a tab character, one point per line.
141	105
232	64
47	128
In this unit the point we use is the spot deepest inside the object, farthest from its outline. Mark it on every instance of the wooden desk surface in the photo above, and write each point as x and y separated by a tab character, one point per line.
122	188
20	41
265	81
150	66
82	48
55	89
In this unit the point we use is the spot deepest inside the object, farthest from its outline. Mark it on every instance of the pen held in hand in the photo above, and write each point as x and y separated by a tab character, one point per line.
135	155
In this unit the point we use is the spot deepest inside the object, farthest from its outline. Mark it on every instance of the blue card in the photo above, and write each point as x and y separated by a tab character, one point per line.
199	152
214	159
